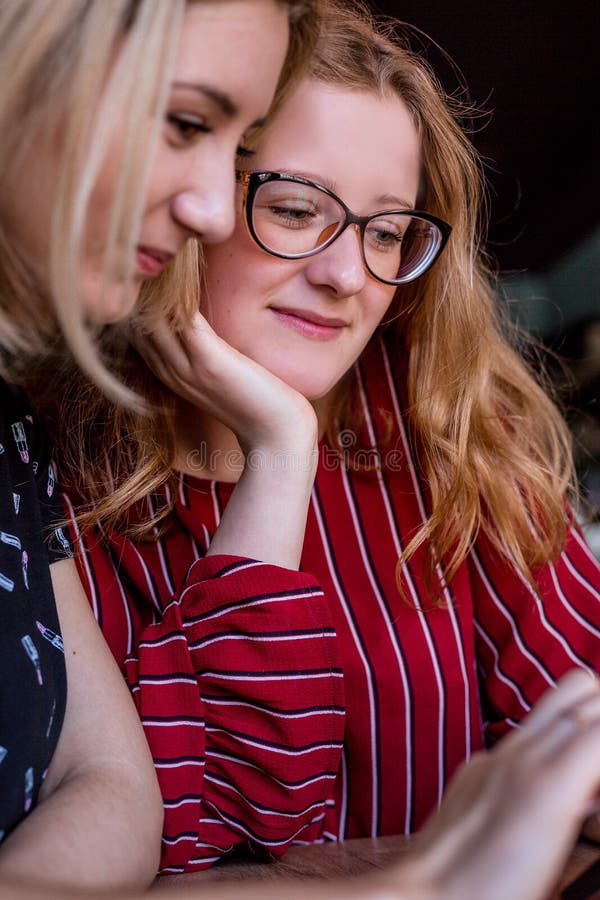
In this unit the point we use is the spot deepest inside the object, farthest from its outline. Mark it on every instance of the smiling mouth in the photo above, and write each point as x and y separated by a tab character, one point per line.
310	324
151	262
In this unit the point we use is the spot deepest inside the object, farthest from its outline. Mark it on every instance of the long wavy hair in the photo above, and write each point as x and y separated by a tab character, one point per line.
493	448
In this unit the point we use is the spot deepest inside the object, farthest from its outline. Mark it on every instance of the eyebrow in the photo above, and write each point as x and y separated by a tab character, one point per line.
222	100
387	201
391	201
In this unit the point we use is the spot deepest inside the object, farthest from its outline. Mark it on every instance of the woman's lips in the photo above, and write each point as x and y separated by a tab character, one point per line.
309	324
151	262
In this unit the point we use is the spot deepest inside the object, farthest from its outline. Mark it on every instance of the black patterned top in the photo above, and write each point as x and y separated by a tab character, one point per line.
33	686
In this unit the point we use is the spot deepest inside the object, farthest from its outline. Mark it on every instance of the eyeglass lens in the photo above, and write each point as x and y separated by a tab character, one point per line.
292	219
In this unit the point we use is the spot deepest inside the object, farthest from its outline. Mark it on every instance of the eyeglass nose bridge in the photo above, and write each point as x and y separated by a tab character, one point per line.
337	229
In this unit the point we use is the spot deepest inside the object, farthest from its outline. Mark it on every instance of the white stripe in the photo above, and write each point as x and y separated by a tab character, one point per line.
179	764
263	746
183	802
344	801
171	842
263	841
187	722
498	602
445	590
215	754
247	605
550	627
145	570
159	546
203	861
258	638
180	490
195	552
167	681
359	649
510	684
579	577
215	503
576	615
150	645
217	676
272	712
283	814
586	549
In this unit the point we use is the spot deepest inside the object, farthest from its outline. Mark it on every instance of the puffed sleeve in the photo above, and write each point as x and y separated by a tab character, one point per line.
240	691
525	639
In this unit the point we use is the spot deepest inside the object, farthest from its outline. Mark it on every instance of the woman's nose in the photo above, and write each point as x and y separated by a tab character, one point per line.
340	266
205	206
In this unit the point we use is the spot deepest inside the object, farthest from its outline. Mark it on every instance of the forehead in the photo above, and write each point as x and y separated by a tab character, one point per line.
221	41
364	145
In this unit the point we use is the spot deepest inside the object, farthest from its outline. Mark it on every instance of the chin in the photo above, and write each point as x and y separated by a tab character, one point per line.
112	306
311	388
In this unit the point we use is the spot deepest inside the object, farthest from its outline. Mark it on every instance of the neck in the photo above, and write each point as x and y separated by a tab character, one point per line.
205	448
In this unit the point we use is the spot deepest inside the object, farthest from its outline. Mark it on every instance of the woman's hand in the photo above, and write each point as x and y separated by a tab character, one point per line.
511	816
204	370
276	428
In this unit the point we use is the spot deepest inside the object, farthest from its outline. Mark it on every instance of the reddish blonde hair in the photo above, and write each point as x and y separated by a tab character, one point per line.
493	448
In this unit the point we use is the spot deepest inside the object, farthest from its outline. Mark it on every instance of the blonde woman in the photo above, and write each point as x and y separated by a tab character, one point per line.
120	122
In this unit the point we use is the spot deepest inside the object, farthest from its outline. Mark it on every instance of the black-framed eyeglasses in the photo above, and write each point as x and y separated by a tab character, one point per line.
294	218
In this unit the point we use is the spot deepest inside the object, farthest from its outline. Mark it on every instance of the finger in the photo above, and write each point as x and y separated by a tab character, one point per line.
566	724
572	689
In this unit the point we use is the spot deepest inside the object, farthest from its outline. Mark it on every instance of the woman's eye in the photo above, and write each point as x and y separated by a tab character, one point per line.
384	237
244	152
187	128
292	214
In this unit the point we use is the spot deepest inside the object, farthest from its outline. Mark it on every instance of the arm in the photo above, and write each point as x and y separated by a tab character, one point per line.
521	803
99	817
526	642
240	692
276	428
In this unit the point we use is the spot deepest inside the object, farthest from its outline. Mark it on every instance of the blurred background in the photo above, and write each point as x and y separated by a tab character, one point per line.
532	68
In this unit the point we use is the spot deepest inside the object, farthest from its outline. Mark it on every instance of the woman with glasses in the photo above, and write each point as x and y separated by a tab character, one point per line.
333	582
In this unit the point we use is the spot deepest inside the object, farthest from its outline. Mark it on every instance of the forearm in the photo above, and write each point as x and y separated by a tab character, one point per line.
386	887
265	518
83	834
219	703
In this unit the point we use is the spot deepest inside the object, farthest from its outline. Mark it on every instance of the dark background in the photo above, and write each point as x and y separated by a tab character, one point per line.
534	67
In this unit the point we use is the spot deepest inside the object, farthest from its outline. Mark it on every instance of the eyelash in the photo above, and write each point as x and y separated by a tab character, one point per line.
189	128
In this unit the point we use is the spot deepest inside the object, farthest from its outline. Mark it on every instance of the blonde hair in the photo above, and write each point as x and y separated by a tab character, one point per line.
82	67
57	58
493	449
79	67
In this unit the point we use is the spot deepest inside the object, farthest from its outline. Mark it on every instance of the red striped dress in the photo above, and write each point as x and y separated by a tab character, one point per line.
291	707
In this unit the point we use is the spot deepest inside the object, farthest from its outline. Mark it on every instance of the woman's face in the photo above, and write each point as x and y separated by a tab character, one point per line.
226	68
308	320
